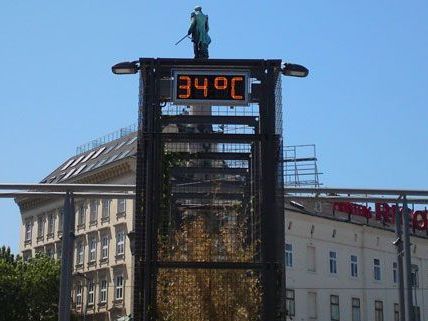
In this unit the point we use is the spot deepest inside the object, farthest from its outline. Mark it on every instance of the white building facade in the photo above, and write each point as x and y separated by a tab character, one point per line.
338	269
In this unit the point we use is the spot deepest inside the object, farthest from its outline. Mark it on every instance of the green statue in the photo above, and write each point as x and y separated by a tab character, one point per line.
199	31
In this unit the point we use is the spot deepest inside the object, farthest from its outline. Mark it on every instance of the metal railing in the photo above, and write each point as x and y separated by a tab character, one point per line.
124	131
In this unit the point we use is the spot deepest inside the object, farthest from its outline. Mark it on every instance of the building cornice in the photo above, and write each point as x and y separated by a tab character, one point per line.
105	174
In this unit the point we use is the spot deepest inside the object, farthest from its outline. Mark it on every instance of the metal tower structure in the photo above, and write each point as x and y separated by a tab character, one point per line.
209	219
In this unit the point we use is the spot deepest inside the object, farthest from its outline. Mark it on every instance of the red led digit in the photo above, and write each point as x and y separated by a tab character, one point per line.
186	87
220	83
203	87
233	87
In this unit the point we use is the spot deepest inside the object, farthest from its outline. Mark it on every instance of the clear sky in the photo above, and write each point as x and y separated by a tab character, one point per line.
364	103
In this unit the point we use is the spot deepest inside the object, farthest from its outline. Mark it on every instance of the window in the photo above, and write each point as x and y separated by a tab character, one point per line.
38	250
51	224
120	242
312	305
28	230
60	218
290	302
378	311
79	252
395	272
311	258
376	269
103	291
356	309
81	215
121	205
58	251
105	211
40	226
333	262
415	276
417	313
119	287
396	312
79	295
354	266
26	255
93	211
288	255
91	288
92	249
334	308
104	247
50	252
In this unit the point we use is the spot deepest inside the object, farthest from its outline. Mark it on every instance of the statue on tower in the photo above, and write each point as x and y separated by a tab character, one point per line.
199	30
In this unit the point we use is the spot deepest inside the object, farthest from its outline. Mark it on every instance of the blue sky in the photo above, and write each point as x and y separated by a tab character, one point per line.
364	104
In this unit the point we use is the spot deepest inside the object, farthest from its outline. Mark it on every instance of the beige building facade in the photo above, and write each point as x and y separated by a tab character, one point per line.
102	259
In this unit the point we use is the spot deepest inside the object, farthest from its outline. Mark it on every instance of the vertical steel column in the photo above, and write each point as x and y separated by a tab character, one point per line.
399	247
407	262
147	133
156	178
149	181
272	274
138	226
66	259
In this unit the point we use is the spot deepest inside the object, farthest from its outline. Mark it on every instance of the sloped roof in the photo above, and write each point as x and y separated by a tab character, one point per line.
94	159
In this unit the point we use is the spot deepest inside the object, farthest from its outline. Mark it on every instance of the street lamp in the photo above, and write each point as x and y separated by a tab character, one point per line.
294	70
125	68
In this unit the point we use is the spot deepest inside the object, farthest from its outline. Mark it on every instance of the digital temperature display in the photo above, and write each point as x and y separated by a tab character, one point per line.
210	88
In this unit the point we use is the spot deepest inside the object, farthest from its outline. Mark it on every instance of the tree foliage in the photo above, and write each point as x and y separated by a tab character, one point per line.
28	290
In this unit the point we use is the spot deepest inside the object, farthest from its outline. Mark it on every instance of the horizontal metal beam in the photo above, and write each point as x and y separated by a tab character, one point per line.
221	183
209	170
68	187
216	155
62	194
302	159
194	206
210	137
364	191
203	119
210	265
356	199
211	196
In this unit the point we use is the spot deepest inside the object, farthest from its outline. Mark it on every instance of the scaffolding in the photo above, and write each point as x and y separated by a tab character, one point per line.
300	166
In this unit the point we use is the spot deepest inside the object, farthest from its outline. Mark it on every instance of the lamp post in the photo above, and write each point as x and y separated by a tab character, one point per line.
407	262
398	243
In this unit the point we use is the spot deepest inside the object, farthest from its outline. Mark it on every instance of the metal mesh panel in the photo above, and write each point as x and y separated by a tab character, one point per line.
207	295
207	212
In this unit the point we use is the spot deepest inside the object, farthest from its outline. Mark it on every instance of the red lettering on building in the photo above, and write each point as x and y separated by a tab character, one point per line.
352	209
384	212
420	220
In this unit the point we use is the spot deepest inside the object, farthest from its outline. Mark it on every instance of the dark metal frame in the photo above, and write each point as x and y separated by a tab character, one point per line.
266	174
